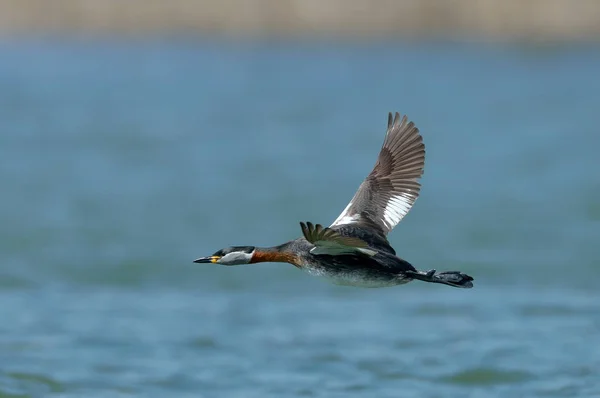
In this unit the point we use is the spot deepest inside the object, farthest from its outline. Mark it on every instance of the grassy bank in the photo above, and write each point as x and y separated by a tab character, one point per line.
485	19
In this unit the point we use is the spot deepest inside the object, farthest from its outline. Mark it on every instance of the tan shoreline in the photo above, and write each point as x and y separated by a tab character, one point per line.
472	19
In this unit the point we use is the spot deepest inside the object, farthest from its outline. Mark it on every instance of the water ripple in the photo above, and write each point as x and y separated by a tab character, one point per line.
488	376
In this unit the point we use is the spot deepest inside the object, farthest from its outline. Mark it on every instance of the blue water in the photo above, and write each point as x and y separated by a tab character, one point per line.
121	162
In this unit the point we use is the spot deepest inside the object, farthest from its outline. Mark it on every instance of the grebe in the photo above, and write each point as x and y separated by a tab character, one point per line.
354	249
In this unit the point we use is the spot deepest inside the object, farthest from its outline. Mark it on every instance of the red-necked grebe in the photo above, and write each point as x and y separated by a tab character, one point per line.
354	249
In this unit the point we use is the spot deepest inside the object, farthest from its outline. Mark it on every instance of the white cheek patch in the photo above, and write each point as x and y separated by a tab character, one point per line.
235	258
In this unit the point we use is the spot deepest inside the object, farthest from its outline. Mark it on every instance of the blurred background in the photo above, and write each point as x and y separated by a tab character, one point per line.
137	136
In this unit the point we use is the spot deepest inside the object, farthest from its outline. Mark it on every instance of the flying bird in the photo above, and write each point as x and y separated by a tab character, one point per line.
354	249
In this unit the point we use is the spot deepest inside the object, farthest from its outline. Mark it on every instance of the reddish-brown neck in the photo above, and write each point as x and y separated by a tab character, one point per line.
274	255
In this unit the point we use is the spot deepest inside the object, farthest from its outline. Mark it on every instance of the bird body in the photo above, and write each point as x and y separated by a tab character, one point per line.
381	270
354	249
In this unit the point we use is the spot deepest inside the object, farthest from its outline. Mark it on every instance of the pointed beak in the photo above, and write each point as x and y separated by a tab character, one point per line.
206	260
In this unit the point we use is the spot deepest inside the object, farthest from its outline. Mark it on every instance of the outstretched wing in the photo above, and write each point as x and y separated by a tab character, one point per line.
328	241
388	193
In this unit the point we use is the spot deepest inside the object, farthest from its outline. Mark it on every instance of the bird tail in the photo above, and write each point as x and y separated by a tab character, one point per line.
450	278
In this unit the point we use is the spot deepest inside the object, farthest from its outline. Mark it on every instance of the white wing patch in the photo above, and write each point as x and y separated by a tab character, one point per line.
386	195
333	249
396	208
345	218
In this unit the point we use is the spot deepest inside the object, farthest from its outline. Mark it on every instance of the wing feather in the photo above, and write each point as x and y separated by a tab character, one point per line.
331	242
390	190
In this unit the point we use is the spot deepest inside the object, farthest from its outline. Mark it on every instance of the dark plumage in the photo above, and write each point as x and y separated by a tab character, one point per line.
354	249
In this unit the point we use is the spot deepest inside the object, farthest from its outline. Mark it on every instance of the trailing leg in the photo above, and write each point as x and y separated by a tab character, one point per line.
451	278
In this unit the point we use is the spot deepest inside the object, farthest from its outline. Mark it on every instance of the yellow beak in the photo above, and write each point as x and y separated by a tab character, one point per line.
209	259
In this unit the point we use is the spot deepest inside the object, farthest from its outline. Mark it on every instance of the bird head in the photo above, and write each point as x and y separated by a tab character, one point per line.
234	255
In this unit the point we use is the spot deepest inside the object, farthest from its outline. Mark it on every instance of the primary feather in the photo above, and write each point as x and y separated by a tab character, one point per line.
392	187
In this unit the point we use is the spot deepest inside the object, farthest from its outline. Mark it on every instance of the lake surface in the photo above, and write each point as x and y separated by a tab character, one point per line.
121	162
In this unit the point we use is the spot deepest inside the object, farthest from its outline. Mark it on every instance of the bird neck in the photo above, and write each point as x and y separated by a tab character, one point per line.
275	254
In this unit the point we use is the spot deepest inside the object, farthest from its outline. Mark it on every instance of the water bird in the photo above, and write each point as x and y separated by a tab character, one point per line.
354	249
